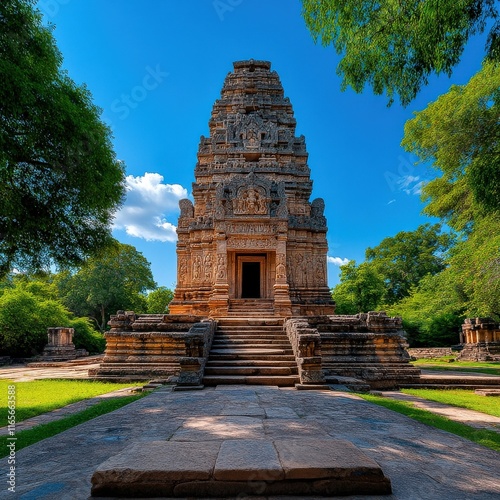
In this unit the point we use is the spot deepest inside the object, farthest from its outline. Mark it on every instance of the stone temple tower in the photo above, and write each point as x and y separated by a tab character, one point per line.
252	240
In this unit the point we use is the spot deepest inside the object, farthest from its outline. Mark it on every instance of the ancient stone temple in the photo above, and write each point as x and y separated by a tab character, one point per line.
252	237
252	303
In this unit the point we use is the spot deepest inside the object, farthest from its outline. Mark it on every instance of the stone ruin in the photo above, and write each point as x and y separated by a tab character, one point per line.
480	338
252	266
60	345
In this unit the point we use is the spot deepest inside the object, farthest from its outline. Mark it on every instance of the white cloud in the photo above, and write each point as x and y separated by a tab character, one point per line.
411	184
147	203
392	201
337	261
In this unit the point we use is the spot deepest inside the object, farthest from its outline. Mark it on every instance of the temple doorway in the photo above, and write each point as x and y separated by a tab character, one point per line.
250	280
250	277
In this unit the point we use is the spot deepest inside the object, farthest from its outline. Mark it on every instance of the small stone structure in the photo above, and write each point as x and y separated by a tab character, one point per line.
481	340
60	345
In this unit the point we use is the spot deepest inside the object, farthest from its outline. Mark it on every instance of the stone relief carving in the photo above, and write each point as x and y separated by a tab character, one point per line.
233	242
280	267
250	202
252	228
221	266
208	264
197	265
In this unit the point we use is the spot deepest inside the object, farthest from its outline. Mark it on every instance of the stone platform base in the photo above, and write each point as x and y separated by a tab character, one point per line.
480	351
240	467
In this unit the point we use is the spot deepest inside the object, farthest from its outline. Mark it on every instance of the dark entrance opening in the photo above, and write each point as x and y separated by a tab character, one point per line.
250	280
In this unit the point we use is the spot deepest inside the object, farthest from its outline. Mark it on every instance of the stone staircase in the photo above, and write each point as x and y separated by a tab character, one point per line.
251	350
243	308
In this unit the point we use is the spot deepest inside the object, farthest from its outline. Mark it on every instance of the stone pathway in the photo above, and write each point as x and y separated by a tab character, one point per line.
421	462
23	373
469	417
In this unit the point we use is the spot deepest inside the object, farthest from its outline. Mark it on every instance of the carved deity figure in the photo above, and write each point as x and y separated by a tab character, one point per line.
221	266
197	268
280	267
208	266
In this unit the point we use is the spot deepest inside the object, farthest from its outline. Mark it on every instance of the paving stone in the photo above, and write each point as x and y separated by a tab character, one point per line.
280	412
219	428
324	458
248	460
149	465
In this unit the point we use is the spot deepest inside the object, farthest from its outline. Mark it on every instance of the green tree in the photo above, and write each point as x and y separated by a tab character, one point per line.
159	299
460	134
117	280
403	260
475	265
25	315
361	289
394	46
60	182
434	310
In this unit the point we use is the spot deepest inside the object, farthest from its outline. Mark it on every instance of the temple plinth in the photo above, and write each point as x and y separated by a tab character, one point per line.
252	236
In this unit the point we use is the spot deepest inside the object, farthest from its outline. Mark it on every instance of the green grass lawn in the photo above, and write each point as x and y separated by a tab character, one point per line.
32	436
487	438
490	368
461	398
41	396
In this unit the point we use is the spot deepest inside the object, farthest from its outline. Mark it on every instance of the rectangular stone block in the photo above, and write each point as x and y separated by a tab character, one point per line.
248	460
155	465
324	459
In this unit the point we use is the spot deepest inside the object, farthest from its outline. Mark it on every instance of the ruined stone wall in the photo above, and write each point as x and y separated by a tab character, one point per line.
369	346
152	346
429	352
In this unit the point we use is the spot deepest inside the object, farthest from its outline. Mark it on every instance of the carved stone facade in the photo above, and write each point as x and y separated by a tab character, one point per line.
481	340
252	232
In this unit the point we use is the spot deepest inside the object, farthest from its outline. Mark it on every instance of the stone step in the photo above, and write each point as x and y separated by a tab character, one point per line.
240	468
242	321
249	356
251	350
275	343
251	362
250	337
250	328
223	370
281	380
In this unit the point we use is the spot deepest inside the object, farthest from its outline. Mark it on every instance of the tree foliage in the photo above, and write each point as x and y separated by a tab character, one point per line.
394	46
28	306
460	134
403	260
60	182
433	311
159	299
105	284
361	289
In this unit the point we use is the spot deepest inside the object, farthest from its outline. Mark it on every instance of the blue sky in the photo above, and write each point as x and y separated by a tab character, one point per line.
156	67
